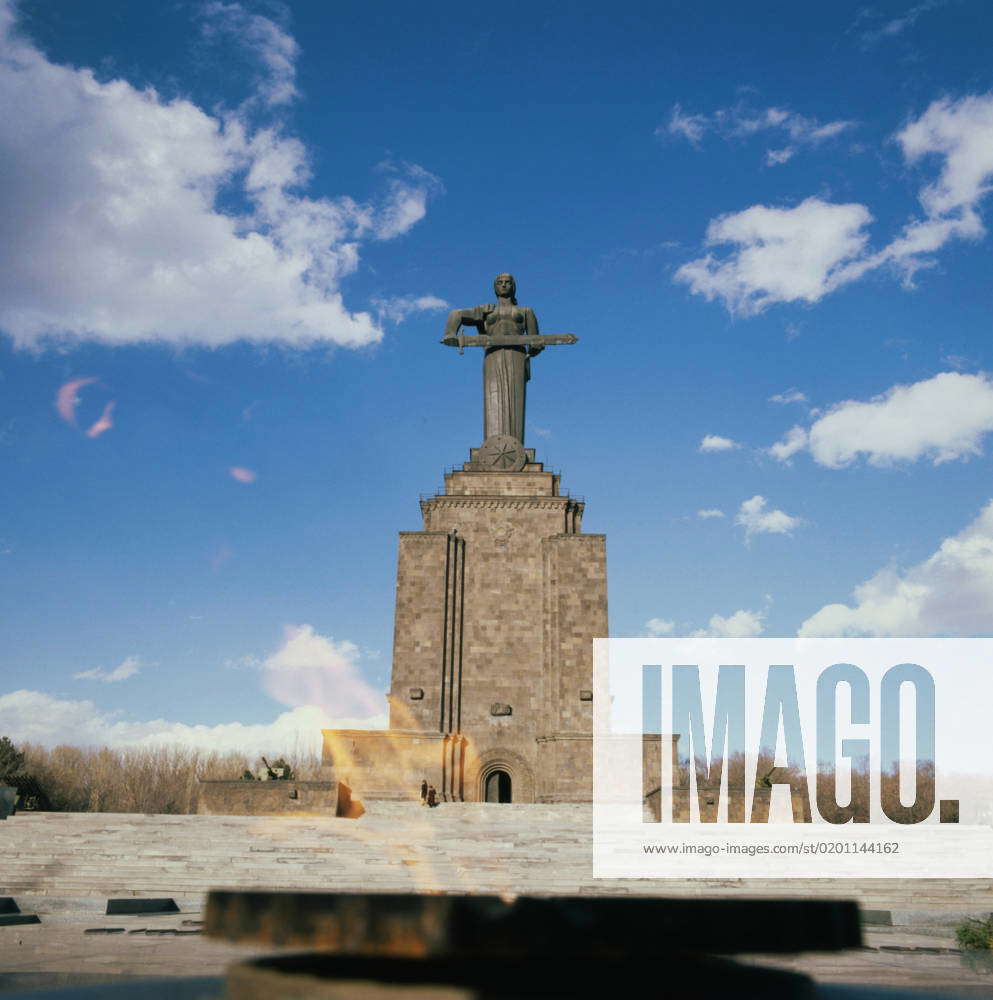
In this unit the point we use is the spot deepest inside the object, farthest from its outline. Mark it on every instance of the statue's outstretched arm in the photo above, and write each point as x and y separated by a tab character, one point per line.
463	317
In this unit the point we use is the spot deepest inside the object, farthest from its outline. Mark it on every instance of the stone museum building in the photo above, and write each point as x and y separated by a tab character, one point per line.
498	600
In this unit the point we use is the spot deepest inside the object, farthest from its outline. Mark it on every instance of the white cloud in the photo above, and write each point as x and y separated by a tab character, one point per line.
943	419
128	667
742	122
962	133
774	157
274	48
398	308
756	519
803	253
691	127
896	25
312	674
958	361
714	442
794	441
658	627
406	204
741	625
709	512
37	717
782	254
959	131
950	593
113	227
789	396
312	669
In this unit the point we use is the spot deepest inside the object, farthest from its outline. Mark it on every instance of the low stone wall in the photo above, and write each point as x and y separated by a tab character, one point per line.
274	798
385	764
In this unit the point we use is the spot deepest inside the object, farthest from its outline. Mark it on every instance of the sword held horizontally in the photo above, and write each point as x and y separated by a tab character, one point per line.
462	341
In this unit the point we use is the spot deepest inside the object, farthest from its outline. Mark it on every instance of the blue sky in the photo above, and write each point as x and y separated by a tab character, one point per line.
231	235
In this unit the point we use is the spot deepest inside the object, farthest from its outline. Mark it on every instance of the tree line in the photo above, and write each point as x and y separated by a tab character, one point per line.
128	780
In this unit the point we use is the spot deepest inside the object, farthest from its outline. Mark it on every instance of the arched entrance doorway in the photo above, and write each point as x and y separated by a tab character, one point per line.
497	786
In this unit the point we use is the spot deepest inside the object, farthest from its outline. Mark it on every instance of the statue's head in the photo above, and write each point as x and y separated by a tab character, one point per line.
504	284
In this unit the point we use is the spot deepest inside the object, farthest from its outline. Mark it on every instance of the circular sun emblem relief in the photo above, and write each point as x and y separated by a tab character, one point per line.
501	453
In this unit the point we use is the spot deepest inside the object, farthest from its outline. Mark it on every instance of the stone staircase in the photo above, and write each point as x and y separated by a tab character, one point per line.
394	847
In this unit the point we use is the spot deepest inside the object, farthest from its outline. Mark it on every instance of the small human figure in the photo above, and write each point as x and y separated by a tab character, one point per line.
424	792
432	796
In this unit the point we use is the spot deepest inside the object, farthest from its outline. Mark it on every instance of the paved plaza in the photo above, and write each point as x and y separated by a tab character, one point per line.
65	866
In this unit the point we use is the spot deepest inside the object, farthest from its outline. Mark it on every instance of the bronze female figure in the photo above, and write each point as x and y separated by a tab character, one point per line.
506	369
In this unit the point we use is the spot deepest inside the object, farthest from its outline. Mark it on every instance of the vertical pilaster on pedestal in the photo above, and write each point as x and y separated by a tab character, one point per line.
426	688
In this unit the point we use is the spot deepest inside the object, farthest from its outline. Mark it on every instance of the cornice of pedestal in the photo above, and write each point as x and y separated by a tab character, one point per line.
498	502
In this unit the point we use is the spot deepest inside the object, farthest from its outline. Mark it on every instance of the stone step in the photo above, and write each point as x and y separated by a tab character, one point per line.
394	847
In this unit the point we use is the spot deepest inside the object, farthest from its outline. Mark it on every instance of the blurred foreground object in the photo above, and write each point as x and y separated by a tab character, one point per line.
474	947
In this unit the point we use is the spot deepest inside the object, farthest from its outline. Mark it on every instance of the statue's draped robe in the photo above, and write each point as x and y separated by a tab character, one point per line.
506	370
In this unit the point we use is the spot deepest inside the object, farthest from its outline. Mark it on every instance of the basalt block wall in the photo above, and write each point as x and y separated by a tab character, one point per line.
272	798
498	601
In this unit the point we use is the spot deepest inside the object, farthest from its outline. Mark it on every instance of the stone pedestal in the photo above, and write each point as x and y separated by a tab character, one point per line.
499	598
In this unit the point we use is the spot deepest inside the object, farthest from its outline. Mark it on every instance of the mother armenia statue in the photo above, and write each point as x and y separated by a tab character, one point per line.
506	369
511	338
